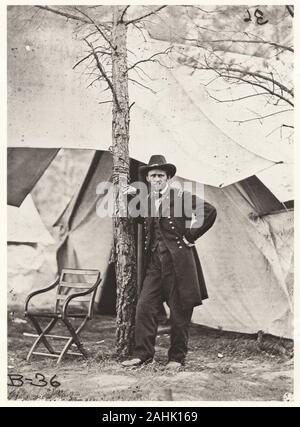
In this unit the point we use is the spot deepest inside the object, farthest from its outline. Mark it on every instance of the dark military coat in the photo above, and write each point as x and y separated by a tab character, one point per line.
187	267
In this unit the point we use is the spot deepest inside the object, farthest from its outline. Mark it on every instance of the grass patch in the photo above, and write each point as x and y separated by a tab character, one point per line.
219	366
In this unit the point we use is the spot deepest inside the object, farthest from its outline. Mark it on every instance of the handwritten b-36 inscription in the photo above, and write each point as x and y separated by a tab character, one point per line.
39	380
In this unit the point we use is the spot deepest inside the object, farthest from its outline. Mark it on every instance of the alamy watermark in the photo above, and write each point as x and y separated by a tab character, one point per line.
181	200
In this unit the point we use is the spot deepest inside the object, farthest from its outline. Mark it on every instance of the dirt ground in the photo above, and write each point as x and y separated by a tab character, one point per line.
221	366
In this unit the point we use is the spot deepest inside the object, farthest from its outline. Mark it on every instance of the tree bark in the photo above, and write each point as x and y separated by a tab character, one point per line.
123	228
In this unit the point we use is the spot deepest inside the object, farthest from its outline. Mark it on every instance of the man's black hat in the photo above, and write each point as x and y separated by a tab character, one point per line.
157	161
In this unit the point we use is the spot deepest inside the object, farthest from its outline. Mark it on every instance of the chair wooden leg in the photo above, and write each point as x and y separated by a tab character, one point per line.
75	339
65	349
41	336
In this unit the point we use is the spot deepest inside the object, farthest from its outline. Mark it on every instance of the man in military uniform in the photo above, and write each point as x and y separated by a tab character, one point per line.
172	270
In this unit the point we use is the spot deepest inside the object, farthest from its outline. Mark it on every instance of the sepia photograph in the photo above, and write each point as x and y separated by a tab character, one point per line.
150	204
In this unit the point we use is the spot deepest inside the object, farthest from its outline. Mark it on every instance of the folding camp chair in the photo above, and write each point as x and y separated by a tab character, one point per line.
74	299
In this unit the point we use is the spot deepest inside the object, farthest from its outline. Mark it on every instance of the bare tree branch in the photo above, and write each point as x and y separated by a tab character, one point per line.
105	102
138	69
91	84
228	68
97	27
36	12
195	60
200	8
103	73
279	46
248	73
279	127
261	117
87	67
263	87
124	12
140	84
150	59
85	19
236	99
92	34
218	55
211	81
82	60
65	14
290	9
88	56
103	50
131	105
133	21
141	31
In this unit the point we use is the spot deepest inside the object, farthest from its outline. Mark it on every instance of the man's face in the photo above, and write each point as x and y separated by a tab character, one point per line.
158	179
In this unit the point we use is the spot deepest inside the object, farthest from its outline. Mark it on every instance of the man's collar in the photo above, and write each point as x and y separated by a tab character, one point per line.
159	194
164	190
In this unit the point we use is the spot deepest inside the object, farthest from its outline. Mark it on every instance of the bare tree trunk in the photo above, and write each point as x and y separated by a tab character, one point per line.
124	243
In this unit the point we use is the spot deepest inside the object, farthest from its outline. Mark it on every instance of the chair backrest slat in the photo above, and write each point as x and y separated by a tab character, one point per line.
77	271
76	285
85	298
74	281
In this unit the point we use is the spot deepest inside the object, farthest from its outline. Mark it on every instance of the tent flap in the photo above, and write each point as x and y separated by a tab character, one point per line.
25	166
248	268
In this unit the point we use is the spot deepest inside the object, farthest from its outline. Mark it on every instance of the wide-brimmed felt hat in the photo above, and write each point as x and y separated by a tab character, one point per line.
157	161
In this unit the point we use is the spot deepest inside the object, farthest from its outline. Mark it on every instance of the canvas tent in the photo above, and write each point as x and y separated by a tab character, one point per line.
248	255
27	238
247	259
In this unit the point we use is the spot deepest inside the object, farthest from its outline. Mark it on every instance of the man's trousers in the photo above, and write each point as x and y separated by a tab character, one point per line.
160	285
